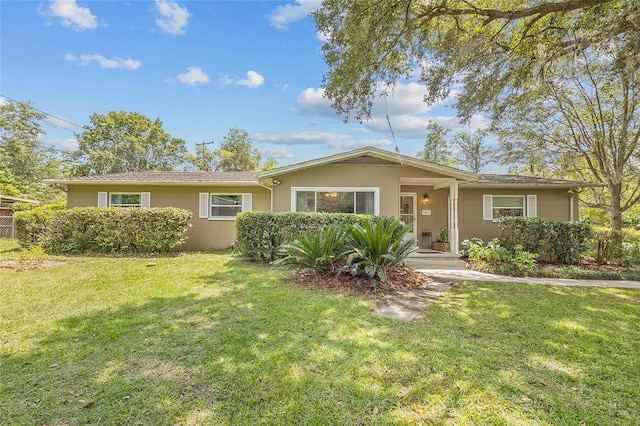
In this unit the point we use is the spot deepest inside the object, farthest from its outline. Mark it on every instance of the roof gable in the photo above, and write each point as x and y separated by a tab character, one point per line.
371	155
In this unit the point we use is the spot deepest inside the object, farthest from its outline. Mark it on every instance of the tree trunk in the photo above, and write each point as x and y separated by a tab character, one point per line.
615	212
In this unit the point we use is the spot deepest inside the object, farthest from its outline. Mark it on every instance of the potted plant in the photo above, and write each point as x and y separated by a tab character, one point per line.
442	242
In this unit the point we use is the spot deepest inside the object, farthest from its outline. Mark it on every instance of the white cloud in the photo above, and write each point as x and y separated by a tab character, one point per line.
408	114
66	144
292	12
332	140
173	19
106	63
252	81
312	102
278	153
194	75
73	16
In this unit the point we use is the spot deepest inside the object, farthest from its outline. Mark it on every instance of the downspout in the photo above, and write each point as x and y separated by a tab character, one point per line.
270	188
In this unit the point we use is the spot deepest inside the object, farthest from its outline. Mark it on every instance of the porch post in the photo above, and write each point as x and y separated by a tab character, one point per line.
453	217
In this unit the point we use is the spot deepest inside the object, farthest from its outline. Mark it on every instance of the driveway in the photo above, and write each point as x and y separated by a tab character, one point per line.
469	275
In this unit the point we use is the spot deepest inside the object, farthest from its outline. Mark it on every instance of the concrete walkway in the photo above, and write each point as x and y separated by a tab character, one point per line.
407	305
469	275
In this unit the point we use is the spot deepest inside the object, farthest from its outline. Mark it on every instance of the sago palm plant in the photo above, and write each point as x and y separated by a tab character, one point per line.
377	246
319	250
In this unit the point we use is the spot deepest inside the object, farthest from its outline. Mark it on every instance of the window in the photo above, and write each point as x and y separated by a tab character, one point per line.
335	200
497	206
223	206
124	199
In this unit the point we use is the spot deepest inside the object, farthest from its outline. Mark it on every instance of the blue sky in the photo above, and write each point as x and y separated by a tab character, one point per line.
202	67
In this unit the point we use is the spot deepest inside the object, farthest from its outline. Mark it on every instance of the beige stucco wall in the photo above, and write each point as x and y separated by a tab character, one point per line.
385	177
204	234
552	204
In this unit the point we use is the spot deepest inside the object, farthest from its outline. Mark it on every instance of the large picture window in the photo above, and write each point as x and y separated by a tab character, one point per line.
335	200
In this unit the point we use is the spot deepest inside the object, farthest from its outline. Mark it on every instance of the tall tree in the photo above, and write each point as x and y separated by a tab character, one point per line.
24	163
436	148
126	142
585	118
236	153
473	152
492	47
205	158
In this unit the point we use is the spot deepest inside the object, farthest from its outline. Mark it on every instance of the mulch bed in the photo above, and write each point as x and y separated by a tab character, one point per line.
398	278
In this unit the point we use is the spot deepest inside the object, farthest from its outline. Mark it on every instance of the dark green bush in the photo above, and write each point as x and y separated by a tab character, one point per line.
259	235
496	258
319	250
558	241
111	230
31	224
377	246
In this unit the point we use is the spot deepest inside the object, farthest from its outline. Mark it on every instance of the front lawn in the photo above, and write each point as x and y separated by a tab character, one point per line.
208	339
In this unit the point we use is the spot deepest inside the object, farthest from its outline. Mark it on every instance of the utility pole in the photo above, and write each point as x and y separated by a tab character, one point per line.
203	145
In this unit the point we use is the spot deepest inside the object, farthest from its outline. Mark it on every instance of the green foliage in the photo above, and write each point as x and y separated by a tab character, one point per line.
24	163
486	50
319	250
443	236
259	235
473	154
126	142
436	148
103	230
117	230
31	225
19	206
560	241
377	246
33	253
496	258
237	153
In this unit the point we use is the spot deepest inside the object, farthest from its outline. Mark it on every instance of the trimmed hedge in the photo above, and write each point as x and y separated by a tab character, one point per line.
111	230
259	235
31	224
558	241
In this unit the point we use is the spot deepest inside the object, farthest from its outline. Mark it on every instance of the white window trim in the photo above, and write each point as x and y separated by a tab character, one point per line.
529	205
374	189
204	211
104	199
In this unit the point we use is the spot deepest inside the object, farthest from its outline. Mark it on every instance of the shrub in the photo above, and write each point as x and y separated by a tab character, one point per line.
377	246
316	250
110	230
259	235
494	257
559	241
31	224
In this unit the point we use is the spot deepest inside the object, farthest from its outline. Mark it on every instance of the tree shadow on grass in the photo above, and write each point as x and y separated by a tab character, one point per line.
241	348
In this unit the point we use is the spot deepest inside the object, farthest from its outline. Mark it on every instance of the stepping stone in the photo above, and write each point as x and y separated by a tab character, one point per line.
398	312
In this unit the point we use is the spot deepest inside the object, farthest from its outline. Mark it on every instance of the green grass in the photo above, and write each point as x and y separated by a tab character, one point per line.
208	339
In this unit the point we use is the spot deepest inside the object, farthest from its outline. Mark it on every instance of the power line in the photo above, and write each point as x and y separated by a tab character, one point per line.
49	115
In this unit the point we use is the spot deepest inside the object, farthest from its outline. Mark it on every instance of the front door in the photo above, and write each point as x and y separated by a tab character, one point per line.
408	208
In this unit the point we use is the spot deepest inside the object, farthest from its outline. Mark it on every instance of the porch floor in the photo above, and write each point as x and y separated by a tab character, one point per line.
427	258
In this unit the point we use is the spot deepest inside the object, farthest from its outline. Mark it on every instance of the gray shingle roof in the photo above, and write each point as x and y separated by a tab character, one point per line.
495	179
167	177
